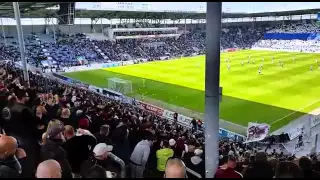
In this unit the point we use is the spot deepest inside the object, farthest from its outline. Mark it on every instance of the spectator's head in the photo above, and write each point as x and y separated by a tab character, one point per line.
104	130
22	96
84	123
69	132
102	150
49	169
95	171
175	168
288	170
44	138
55	129
172	142
198	152
164	144
149	137
65	113
11	100
305	164
8	146
261	157
232	162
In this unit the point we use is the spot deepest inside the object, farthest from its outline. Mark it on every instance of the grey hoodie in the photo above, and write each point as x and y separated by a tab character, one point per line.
141	153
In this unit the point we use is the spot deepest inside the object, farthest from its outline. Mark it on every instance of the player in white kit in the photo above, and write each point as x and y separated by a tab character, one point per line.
228	66
259	71
311	68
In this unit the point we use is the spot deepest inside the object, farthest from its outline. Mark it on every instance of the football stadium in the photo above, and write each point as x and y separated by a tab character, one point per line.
159	90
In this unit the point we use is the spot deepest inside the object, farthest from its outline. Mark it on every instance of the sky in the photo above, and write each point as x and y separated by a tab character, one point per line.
232	7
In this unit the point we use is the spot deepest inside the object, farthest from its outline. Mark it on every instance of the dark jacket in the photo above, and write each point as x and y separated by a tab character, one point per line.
197	164
20	122
120	143
103	139
259	170
9	169
52	150
108	165
79	149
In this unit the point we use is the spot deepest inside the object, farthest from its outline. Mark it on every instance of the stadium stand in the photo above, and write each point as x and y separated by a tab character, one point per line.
57	129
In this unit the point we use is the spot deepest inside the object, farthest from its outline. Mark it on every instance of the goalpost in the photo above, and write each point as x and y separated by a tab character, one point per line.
120	85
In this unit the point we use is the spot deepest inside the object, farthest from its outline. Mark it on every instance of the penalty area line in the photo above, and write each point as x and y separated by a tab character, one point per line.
280	119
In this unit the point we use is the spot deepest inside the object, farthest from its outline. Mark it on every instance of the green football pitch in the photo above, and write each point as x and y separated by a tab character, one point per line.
276	96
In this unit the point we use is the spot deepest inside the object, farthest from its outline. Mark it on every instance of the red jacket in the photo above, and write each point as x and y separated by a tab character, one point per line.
227	173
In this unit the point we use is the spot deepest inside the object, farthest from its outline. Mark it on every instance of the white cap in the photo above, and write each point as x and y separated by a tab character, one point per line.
79	112
101	148
231	153
198	152
172	142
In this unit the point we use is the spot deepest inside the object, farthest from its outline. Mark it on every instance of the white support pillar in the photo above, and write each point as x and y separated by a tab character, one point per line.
212	94
54	32
21	42
3	33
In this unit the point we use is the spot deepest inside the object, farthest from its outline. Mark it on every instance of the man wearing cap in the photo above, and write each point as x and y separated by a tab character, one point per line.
100	157
196	163
52	148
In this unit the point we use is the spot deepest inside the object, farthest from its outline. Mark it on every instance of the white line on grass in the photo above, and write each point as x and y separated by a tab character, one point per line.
280	119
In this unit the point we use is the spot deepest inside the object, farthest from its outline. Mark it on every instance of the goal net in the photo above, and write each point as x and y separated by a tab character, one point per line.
120	85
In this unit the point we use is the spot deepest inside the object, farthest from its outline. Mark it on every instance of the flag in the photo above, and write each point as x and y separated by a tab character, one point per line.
257	132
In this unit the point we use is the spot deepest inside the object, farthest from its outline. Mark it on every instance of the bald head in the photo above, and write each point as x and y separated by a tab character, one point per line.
49	169
8	146
69	131
175	168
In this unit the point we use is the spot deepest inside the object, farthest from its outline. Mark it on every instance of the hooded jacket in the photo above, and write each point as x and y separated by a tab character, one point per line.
163	155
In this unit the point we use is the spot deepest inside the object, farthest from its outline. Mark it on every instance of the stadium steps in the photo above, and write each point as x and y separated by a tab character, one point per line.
142	51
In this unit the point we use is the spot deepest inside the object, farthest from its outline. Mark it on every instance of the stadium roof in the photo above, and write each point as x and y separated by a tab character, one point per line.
6	8
39	10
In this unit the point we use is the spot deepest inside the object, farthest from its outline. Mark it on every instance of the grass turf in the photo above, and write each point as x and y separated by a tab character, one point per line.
277	96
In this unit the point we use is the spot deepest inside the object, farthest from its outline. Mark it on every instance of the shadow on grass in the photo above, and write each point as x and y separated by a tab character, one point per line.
235	110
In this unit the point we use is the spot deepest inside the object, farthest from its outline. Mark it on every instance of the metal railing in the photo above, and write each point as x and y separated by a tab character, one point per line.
120	162
195	174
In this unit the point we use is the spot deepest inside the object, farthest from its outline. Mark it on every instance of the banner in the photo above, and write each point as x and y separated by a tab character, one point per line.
186	121
257	132
158	111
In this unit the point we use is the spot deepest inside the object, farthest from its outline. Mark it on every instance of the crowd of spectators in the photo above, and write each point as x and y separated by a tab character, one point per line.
305	26
56	130
290	45
241	37
77	49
